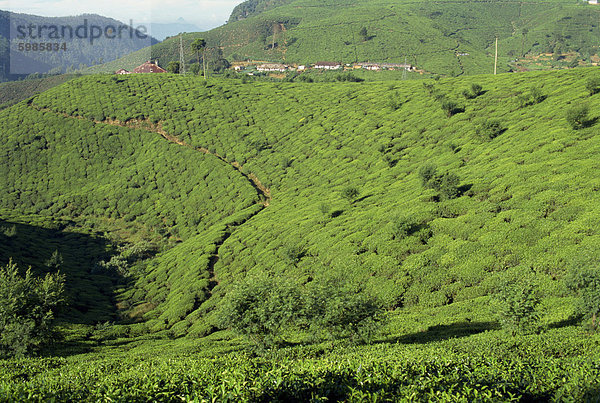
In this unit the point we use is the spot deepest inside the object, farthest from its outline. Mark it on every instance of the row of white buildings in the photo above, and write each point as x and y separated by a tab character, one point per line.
277	67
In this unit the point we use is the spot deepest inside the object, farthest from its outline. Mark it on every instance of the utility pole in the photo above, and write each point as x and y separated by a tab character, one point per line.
496	58
181	57
404	70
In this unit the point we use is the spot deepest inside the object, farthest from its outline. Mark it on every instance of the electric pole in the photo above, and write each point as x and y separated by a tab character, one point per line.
496	58
404	70
181	57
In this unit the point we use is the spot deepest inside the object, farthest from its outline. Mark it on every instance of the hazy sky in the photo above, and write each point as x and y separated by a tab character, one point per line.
204	13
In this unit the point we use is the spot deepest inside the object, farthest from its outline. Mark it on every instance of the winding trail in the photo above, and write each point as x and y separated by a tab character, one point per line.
263	193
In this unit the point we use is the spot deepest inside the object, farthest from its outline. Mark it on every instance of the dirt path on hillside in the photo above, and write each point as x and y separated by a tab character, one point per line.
263	193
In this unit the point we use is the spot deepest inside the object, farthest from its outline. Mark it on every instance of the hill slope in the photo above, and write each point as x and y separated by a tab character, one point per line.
526	201
443	37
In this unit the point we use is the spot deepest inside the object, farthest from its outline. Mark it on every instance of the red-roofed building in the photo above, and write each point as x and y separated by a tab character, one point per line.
149	67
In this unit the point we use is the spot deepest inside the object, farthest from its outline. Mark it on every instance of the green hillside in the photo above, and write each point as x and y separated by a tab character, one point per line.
428	197
441	37
16	91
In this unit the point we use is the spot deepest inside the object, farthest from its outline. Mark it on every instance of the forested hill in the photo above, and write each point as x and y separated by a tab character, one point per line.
441	37
423	194
77	53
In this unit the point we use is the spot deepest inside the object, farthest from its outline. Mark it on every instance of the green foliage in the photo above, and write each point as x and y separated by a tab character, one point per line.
341	311
173	67
348	77
585	283
490	129
475	91
364	34
350	193
27	310
532	97
446	183
592	84
578	117
450	107
262	308
518	306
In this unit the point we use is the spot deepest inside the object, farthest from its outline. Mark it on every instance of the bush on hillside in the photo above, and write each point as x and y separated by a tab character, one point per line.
350	193
264	309
585	283
451	107
533	97
578	117
342	312
518	306
27	309
475	91
446	183
593	85
490	129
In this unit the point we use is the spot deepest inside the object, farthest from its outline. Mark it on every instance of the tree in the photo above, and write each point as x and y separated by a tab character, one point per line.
261	308
27	309
577	117
199	45
334	307
173	67
446	183
364	34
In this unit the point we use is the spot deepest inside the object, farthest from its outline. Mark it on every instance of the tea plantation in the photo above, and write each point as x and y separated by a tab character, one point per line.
440	37
449	225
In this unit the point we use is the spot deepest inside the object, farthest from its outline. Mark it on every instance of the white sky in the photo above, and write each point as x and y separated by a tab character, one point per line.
205	14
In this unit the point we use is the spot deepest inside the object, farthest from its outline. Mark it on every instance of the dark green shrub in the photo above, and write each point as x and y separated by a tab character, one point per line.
451	107
173	67
585	283
475	91
446	183
342	312
593	85
350	193
490	129
262	308
426	173
578	117
518	302
348	77
27	309
534	96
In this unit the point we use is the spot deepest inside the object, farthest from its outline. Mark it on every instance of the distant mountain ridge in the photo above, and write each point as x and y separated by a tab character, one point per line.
87	39
161	31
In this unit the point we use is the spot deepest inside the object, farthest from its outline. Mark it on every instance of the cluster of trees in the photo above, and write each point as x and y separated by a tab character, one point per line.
266	309
28	308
